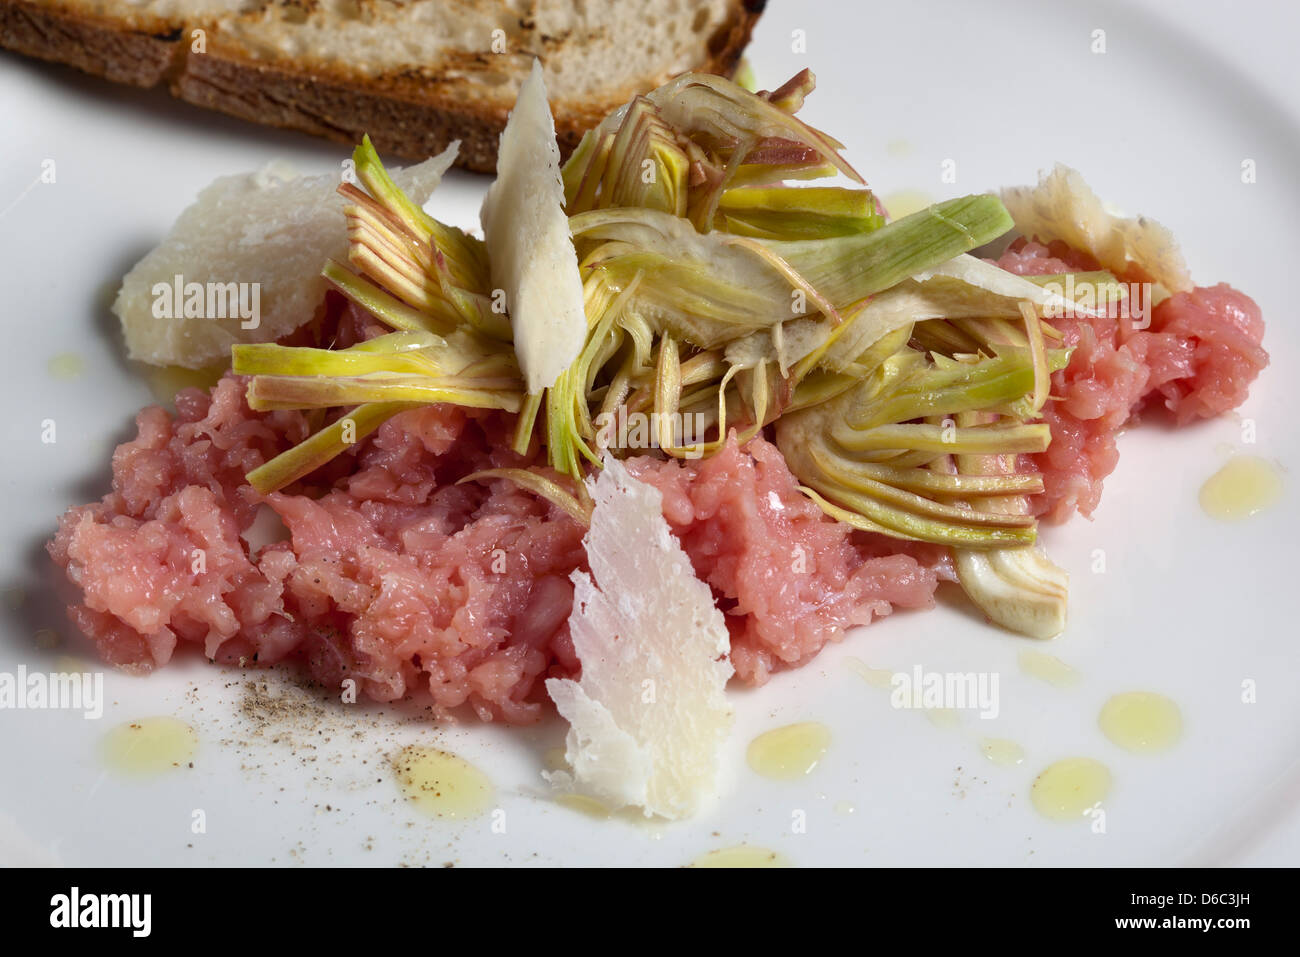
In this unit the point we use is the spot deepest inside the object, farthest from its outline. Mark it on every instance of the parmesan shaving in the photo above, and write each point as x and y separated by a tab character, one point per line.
1063	207
527	234
649	715
262	234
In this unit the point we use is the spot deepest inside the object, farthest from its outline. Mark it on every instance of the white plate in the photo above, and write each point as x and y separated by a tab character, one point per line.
1161	123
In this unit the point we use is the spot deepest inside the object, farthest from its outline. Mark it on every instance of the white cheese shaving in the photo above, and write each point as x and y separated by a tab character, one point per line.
649	715
263	235
1063	207
527	234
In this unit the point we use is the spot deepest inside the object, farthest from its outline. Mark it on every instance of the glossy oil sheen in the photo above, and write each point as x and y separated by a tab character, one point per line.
149	746
742	855
1141	721
790	752
1245	486
441	784
1070	788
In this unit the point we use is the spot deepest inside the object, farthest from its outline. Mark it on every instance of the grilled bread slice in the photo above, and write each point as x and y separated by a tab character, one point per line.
414	74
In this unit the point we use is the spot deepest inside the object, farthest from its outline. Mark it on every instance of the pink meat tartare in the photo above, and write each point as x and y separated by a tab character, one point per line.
1196	360
389	572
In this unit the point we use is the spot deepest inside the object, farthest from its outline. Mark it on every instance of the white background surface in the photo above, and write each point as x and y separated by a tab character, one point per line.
1160	124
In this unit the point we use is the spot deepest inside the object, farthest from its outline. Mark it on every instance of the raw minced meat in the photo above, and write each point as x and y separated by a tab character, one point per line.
788	578
402	580
393	575
1196	359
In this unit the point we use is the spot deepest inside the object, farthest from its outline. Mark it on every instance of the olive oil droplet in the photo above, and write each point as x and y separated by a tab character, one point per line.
1068	789
742	855
149	746
442	784
1002	752
876	677
790	752
66	366
1141	721
943	717
1244	486
1049	668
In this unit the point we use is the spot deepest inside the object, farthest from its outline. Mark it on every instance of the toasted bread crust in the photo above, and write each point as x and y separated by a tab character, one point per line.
140	52
341	110
411	120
